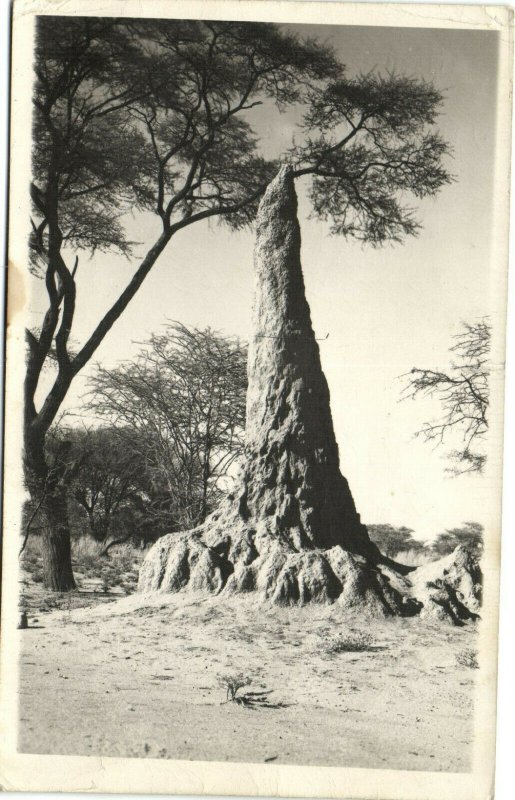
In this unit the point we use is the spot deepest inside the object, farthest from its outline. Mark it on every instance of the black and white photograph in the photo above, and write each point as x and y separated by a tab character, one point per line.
256	322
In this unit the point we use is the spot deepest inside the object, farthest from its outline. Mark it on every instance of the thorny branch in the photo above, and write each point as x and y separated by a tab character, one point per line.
463	392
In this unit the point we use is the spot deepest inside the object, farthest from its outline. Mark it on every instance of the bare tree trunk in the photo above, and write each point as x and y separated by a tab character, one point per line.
47	488
57	562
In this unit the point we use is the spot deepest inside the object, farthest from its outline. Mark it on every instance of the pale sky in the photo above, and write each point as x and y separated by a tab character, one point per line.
385	310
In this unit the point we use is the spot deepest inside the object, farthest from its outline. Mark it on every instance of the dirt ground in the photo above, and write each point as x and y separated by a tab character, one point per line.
141	677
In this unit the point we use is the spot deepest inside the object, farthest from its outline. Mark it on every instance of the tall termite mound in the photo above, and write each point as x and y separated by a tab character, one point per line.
291	533
292	473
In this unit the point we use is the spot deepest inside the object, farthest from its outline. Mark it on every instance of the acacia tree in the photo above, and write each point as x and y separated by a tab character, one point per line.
107	479
392	541
181	406
114	488
470	536
139	114
463	392
101	474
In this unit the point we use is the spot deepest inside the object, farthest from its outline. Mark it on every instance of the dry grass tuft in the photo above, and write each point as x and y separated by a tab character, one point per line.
415	558
352	642
467	658
99	578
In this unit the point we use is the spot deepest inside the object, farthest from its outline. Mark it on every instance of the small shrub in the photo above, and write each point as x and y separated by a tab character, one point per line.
232	683
121	559
353	642
467	658
23	604
53	602
30	563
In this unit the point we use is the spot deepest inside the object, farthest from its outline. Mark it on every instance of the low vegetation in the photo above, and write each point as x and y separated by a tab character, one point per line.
107	575
232	683
349	642
467	658
100	578
401	544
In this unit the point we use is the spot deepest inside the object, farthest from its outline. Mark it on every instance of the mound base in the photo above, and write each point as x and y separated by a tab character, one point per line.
227	557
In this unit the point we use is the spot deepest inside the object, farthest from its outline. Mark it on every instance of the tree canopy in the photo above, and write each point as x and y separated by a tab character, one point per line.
180	405
470	535
393	541
368	141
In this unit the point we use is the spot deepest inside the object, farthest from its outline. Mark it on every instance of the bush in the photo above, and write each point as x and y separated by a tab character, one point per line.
352	642
467	658
396	542
118	568
470	536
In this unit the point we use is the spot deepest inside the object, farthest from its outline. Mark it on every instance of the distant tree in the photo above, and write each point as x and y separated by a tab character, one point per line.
392	541
463	392
156	116
110	494
181	405
107	478
470	536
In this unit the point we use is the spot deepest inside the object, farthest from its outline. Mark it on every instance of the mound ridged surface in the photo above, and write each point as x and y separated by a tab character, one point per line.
227	556
225	559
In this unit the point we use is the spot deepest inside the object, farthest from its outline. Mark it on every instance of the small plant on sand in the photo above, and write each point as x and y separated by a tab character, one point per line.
232	683
351	642
467	658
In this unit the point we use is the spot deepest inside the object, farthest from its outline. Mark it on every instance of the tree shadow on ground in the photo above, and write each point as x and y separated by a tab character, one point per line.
256	700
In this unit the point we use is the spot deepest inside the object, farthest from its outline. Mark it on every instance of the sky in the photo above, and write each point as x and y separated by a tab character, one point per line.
385	310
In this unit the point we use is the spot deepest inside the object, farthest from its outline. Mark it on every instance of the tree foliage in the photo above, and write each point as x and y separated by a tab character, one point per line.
369	141
181	406
470	536
463	392
102	478
392	541
107	482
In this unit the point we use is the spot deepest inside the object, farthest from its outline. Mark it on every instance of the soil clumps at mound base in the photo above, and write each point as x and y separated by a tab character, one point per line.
291	533
225	557
228	556
450	587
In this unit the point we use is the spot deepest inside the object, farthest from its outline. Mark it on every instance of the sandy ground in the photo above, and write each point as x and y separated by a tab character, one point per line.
126	679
